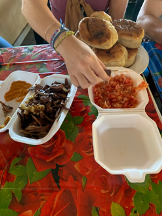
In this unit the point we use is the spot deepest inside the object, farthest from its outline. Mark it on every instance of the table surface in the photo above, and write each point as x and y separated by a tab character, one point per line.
61	176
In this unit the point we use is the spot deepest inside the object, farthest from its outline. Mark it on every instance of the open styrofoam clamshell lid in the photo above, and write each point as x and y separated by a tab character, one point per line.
14	128
5	86
128	144
142	96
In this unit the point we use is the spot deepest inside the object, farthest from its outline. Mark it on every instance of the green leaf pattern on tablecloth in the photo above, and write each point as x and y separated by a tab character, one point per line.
20	182
33	174
8	212
87	102
141	187
84	179
155	196
117	210
76	157
68	126
93	111
141	202
94	212
147	192
78	120
85	99
5	198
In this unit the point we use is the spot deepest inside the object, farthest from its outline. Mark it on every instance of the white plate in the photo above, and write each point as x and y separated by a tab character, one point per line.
4	87
14	128
141	62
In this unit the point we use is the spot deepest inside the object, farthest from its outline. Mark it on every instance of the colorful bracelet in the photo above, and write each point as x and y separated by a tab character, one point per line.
57	33
66	35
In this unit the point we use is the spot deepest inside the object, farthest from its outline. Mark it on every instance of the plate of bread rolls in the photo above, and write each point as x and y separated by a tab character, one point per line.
116	43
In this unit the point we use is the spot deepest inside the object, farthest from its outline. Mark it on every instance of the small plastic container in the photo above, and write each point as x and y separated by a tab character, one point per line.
13	125
127	141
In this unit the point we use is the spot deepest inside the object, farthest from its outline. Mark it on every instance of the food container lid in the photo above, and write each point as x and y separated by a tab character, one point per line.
128	144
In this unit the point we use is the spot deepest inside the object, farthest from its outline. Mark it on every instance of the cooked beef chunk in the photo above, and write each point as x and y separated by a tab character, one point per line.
108	71
43	107
35	88
6	109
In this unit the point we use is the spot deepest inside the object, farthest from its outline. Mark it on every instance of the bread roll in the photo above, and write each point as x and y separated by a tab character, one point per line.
131	56
115	56
130	34
101	15
97	32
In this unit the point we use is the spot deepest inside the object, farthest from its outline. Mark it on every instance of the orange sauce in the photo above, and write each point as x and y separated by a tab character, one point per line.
18	90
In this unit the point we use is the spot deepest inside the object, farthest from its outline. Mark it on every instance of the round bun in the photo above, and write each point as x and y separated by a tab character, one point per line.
130	33
131	56
97	32
115	56
101	15
77	35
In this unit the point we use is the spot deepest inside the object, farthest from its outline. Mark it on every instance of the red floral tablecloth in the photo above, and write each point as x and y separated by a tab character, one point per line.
61	177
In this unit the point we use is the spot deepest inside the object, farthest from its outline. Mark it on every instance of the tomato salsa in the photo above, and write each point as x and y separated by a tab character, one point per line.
119	92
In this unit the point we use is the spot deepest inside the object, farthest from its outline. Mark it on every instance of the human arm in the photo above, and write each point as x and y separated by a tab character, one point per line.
117	8
82	64
148	18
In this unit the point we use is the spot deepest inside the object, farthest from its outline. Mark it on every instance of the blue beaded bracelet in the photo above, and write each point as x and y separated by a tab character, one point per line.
57	33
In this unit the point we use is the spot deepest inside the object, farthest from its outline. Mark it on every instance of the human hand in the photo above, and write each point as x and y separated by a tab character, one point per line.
83	66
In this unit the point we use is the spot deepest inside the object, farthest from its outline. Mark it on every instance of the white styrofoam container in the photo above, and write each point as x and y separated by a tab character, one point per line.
142	96
5	86
13	125
127	141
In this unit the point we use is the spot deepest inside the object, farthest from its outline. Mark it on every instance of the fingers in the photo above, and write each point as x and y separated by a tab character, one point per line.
91	76
86	76
83	82
74	81
101	63
99	70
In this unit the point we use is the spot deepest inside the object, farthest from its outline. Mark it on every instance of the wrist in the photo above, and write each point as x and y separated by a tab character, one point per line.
67	34
66	45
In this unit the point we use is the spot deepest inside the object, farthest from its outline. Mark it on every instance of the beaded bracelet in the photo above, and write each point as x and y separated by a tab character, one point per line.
66	35
57	33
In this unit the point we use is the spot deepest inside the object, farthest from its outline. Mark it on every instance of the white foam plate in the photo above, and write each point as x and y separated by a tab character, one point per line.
14	128
141	62
5	86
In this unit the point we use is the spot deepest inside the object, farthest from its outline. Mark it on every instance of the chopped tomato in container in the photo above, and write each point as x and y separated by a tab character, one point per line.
119	92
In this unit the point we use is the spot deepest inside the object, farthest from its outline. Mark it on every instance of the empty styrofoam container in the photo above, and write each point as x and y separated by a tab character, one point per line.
127	141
